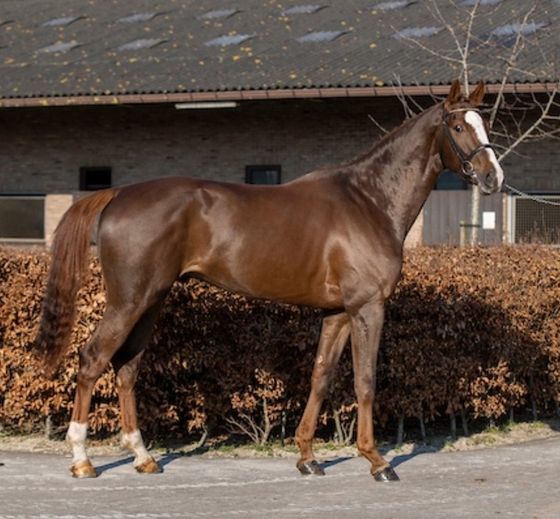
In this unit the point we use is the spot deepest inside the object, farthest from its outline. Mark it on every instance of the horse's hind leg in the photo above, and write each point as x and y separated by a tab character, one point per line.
94	358
126	362
334	335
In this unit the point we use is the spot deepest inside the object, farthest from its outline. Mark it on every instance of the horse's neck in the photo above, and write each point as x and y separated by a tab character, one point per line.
400	172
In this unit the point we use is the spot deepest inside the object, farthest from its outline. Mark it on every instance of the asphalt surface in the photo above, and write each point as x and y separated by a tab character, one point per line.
519	481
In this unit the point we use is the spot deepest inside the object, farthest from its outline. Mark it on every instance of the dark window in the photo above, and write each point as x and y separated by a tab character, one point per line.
268	175
449	180
93	179
22	217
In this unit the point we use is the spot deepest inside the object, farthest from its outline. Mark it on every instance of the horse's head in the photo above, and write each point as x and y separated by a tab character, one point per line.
465	147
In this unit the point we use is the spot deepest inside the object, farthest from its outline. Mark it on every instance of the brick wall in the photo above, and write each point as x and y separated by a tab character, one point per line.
43	148
534	167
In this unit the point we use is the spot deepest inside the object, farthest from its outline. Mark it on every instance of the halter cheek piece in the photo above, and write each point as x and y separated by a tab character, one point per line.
466	165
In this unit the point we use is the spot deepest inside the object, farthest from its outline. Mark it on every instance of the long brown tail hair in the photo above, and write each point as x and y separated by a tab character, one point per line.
70	254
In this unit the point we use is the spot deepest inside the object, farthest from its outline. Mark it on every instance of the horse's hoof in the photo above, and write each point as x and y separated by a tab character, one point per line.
149	466
83	469
386	474
310	468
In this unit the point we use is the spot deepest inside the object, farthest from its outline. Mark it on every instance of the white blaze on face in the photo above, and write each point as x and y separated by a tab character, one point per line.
475	120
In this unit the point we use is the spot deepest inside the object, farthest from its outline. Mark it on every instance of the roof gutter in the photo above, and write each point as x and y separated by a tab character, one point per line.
261	95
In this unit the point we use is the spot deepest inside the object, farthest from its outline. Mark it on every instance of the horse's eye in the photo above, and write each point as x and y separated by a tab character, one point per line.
458	128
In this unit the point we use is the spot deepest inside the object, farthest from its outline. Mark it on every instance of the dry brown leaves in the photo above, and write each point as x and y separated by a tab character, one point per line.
467	331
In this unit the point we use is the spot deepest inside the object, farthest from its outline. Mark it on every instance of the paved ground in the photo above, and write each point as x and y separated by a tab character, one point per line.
519	481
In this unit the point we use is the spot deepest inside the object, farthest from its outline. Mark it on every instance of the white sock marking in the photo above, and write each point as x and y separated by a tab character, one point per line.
133	441
76	436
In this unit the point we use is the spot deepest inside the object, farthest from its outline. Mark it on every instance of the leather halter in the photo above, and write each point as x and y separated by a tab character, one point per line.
467	167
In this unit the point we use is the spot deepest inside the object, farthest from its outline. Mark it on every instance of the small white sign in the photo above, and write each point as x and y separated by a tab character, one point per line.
489	220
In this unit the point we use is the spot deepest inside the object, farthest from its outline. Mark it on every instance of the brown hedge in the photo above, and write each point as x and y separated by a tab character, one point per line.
469	332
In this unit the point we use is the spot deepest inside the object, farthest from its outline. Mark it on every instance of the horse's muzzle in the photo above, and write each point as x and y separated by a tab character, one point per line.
491	181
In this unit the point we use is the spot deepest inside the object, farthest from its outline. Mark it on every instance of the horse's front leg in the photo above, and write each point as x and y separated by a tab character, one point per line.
366	325
334	334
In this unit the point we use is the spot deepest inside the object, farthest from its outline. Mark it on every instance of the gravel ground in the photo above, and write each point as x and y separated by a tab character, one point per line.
517	481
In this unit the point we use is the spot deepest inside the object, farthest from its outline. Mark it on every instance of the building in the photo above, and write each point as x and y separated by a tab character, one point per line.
104	93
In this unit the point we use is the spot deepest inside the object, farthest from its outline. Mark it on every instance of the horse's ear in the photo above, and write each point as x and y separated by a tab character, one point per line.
454	94
476	97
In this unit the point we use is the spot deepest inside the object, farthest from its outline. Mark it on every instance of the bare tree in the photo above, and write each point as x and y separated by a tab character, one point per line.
506	54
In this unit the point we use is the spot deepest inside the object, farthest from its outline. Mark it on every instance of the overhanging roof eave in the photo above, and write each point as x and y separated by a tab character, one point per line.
260	95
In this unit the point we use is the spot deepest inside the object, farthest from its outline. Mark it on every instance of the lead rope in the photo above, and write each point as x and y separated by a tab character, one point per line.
538	199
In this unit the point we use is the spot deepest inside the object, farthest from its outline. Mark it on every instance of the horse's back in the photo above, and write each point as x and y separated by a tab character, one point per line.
266	241
292	243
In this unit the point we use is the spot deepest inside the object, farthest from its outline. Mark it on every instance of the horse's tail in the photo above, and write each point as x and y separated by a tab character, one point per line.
70	255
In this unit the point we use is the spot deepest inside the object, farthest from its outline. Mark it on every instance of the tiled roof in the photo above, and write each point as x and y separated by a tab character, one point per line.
66	48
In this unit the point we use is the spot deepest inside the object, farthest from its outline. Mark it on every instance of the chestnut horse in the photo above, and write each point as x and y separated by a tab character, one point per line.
332	239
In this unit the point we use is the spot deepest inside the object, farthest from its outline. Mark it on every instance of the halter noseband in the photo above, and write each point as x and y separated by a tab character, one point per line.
466	165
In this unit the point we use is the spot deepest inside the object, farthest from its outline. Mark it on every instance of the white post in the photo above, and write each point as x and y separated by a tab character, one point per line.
414	236
55	207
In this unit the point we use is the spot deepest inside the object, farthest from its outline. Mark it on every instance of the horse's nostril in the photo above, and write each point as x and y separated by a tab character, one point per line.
491	178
